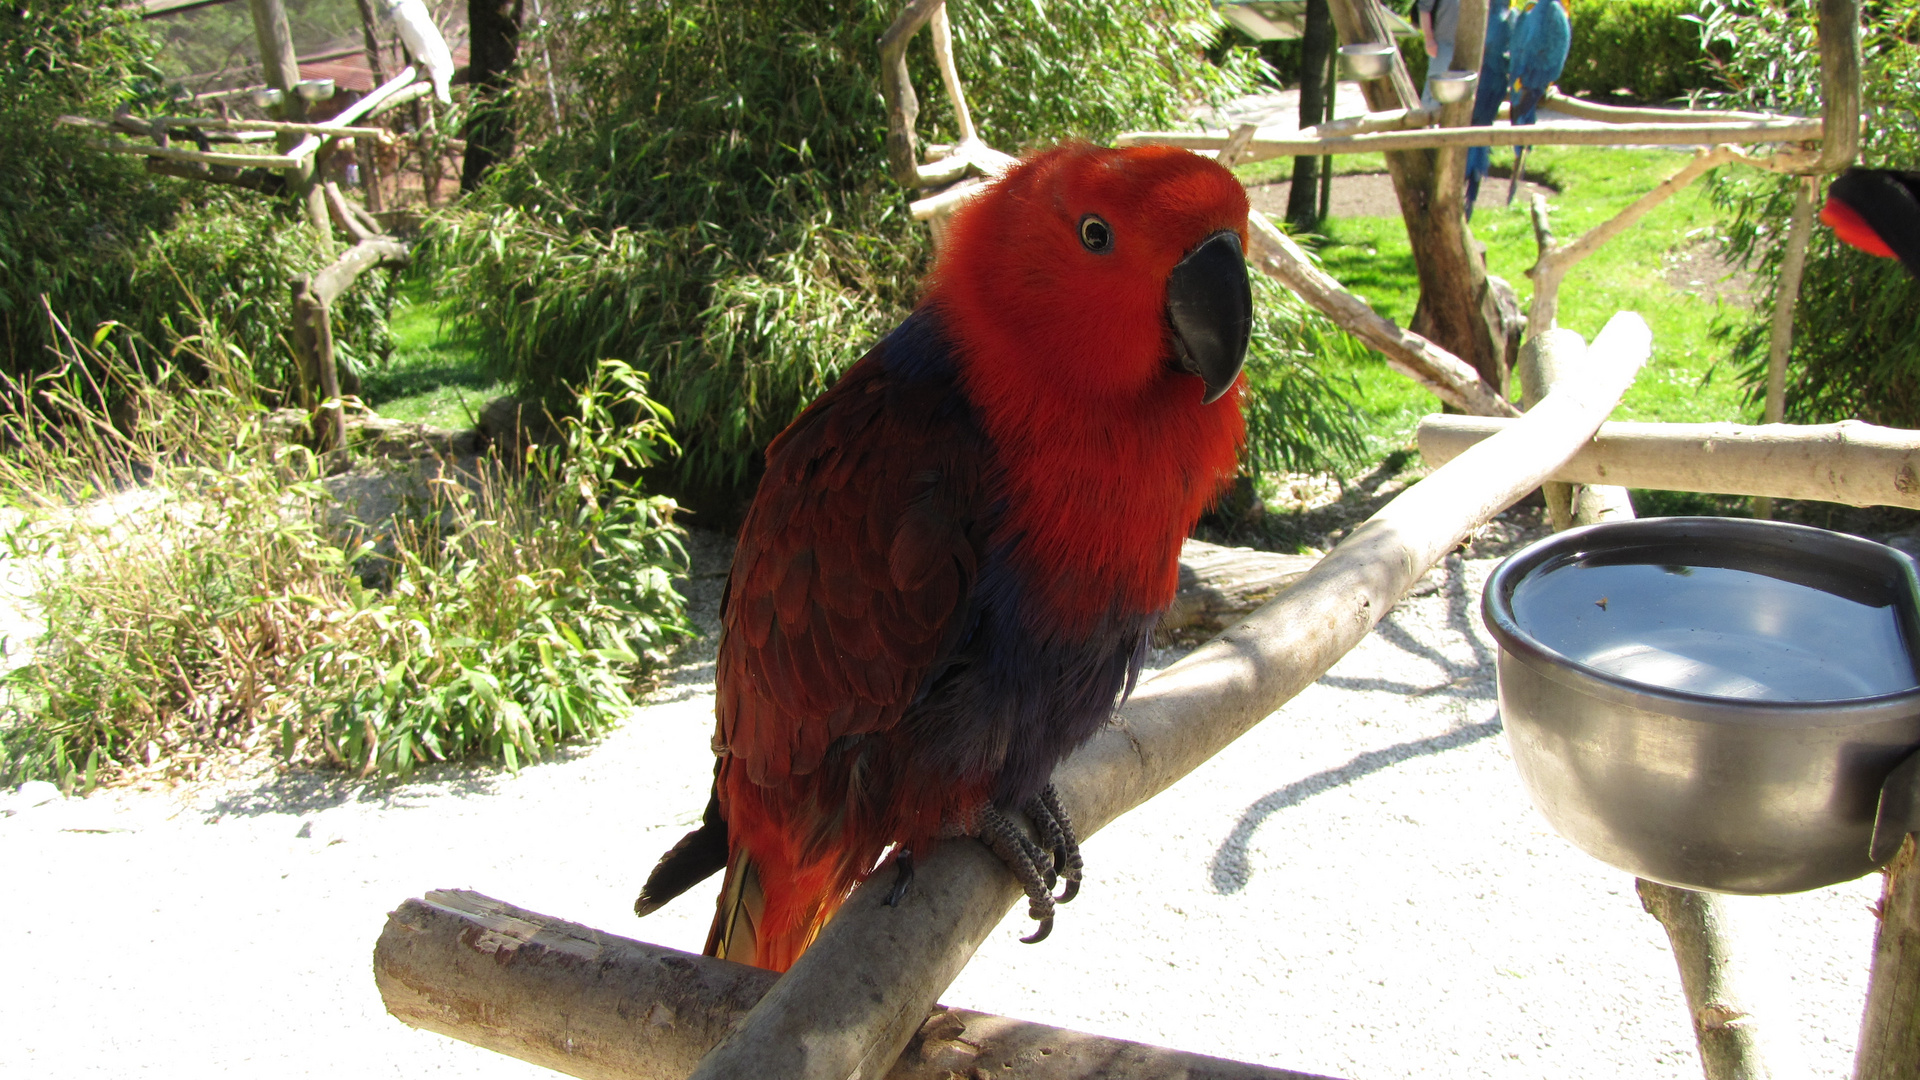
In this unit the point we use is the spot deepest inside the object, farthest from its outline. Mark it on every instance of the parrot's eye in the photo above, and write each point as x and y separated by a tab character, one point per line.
1095	236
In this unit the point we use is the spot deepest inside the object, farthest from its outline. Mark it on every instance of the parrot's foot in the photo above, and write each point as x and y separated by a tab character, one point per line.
1038	866
902	877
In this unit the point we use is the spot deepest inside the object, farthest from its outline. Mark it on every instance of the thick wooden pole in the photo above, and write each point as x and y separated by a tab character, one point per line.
1316	88
857	995
282	69
590	1004
1839	84
1890	1029
1457	310
1723	1024
1849	462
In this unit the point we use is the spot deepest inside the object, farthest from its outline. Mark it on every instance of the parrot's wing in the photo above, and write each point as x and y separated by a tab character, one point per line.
855	567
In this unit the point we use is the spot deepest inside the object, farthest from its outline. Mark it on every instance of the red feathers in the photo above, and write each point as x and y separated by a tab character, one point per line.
1853	229
948	573
1066	358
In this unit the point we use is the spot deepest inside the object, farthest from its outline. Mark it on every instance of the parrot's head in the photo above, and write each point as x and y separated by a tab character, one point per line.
1087	272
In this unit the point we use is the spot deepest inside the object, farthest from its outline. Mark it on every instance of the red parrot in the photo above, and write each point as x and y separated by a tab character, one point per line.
952	567
1877	211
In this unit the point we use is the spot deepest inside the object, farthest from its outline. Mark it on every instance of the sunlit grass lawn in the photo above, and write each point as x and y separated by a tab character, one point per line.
432	377
1371	256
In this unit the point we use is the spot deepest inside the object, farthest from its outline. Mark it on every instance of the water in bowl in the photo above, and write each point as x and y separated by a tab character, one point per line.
1718	631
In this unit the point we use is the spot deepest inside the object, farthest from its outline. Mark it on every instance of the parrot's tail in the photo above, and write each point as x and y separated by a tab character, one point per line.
765	927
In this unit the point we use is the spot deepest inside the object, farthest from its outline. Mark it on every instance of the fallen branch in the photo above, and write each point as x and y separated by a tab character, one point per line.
857	996
591	1004
1545	133
1452	379
1849	462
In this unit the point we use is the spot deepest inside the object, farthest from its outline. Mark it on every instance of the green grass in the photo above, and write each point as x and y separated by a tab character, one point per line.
433	376
1371	256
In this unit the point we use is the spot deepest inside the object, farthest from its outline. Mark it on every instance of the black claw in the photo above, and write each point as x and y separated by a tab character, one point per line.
902	878
1072	890
1040	933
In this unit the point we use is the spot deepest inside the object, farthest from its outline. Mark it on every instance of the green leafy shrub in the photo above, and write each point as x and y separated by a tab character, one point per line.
1651	49
104	241
199	599
1856	336
238	252
69	215
1299	417
714	207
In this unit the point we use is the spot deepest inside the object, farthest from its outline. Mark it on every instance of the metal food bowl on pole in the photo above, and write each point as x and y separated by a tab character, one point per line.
1713	703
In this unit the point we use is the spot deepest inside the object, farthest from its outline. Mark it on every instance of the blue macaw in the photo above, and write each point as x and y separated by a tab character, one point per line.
1489	92
1536	53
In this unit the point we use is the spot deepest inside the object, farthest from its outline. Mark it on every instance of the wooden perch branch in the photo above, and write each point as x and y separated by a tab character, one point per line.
265	181
1717	1001
1366	123
1556	259
313	297
1558	101
1849	462
1545	133
903	107
856	997
1448	376
204	157
1890	1027
591	1004
215	123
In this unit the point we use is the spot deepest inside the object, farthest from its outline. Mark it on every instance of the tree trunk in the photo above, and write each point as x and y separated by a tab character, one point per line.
1457	309
495	27
1315	90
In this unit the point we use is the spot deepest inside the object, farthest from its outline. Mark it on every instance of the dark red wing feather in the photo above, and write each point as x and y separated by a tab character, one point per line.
853	570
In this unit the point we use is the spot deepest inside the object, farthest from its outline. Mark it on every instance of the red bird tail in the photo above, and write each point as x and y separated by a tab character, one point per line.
763	922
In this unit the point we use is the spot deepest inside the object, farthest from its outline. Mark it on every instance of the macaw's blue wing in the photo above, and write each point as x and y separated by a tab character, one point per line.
1488	94
1537	52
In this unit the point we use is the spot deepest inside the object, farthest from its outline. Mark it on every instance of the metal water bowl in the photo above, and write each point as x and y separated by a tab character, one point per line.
1714	703
1369	60
314	89
265	97
1452	86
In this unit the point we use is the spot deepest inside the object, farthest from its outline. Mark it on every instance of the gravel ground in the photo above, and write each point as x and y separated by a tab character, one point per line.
1358	888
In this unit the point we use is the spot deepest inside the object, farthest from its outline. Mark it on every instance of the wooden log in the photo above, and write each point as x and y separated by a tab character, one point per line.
1545	133
1559	101
858	994
1367	123
903	107
1849	462
1451	379
203	157
1889	1046
344	216
375	251
313	341
1458	309
590	1004
265	181
1723	1023
1839	84
1219	585
281	66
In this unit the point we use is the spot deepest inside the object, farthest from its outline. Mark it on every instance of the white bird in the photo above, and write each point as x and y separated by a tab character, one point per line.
423	40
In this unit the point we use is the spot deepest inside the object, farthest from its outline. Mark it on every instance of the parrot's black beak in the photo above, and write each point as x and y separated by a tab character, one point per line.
1210	306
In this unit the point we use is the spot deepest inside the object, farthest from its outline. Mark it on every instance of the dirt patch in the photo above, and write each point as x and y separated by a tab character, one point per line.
1371	195
1702	269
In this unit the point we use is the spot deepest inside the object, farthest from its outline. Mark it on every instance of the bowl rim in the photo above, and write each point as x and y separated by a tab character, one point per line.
1497	614
1369	48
